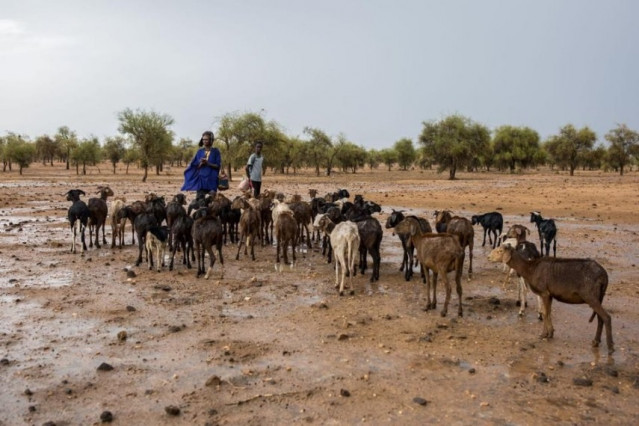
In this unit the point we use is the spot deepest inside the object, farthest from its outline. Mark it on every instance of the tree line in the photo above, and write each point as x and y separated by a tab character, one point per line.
451	144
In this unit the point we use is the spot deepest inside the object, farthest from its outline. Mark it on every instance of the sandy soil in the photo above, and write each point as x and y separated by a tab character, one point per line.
253	346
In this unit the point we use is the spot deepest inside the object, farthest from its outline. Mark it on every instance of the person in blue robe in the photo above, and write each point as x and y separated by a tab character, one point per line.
201	175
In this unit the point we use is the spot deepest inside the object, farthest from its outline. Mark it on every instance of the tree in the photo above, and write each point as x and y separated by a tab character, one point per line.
114	149
66	140
624	145
23	154
88	152
406	154
46	149
570	147
317	149
131	155
184	151
151	135
453	142
373	158
238	133
388	157
350	156
515	147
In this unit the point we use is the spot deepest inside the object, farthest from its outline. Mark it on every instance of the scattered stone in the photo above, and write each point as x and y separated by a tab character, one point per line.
420	401
172	410
4	361
428	338
130	273
614	389
213	381
494	301
49	423
32	408
342	336
106	417
105	367
472	371
162	287
130	308
611	371
175	328
212	412
540	377
122	335
28	392
582	381
560	363
68	391
345	393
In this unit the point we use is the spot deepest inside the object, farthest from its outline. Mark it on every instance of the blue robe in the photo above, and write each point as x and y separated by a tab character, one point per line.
205	177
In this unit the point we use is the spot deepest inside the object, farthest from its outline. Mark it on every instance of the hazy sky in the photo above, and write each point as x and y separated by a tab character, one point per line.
372	70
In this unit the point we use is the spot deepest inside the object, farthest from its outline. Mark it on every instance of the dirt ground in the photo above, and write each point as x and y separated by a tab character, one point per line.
253	346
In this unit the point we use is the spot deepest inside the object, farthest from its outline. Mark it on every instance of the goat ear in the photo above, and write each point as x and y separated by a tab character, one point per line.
81	192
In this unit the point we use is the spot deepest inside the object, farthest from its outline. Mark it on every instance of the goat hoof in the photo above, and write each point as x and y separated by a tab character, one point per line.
443	313
611	350
518	303
595	344
341	293
352	292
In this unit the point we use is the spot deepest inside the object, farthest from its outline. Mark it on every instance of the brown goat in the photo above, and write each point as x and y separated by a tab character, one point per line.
440	253
285	233
462	228
249	226
572	281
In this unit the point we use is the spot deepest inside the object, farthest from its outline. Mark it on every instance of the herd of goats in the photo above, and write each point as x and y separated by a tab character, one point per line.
345	231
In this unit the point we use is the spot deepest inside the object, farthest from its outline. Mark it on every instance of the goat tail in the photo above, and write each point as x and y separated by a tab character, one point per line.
592	317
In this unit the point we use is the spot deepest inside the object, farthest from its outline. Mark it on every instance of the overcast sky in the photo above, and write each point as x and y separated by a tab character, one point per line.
372	70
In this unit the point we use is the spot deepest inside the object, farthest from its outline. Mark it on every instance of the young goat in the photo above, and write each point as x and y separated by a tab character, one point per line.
529	250
174	209
78	215
572	281
493	223
440	253
182	237
249	226
156	239
547	233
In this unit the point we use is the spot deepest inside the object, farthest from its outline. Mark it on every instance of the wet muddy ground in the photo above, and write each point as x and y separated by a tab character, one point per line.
253	346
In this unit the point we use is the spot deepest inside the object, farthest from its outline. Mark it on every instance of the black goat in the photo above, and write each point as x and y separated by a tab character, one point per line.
78	214
547	233
175	209
182	237
155	241
370	240
143	222
207	232
157	206
493	223
408	259
98	212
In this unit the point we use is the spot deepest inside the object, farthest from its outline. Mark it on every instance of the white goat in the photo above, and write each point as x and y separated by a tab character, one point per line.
117	225
345	242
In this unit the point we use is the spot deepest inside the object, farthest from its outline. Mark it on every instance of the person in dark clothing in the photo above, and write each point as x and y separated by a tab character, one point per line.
201	175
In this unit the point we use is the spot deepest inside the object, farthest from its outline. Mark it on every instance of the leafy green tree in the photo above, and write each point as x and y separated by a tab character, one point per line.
10	144
291	155
406	154
388	157
23	154
114	149
515	147
595	158
87	152
373	159
624	146
131	156
318	149
151	135
66	140
238	133
184	151
350	156
453	142
46	149
569	148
